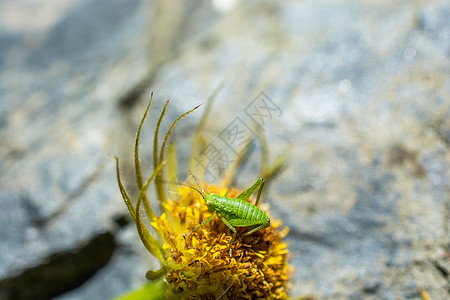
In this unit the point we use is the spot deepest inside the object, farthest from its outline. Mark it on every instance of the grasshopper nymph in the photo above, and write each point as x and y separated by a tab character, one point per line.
235	212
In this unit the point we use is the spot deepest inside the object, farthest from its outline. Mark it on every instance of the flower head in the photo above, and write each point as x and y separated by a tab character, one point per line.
197	264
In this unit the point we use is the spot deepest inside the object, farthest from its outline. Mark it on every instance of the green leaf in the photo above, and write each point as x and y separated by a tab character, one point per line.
159	177
152	245
137	164
152	291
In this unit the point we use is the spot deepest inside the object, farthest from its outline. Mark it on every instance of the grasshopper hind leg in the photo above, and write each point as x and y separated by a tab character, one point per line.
258	227
245	195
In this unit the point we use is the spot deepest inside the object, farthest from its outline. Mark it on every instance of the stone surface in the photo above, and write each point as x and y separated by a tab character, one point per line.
59	84
362	87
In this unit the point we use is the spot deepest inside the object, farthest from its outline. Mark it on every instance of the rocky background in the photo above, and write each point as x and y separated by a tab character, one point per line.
361	91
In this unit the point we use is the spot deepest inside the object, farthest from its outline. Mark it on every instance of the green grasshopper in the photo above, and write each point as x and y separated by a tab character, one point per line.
235	212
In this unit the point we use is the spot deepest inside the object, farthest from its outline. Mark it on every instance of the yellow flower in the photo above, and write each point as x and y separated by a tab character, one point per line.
197	264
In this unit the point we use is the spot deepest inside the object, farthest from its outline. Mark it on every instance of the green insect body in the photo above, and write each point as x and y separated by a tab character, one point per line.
236	212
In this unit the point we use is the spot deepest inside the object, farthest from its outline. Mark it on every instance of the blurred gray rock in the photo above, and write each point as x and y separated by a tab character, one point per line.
363	89
59	87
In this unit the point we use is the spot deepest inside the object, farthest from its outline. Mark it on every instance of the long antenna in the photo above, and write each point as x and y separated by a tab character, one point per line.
201	191
189	186
197	182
